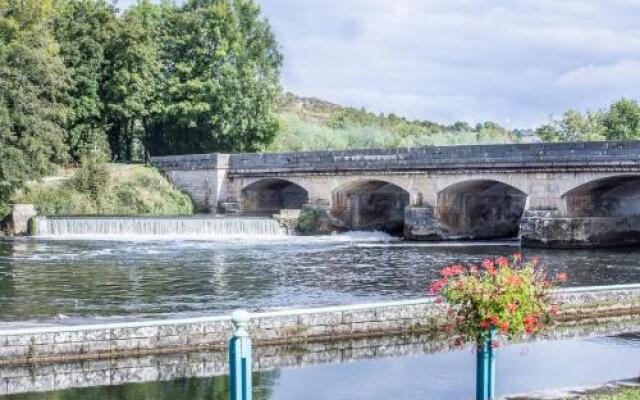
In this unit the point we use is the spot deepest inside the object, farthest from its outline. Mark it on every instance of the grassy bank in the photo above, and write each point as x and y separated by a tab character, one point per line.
123	190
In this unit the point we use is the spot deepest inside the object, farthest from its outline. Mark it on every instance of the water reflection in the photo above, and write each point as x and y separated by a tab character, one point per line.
354	370
78	279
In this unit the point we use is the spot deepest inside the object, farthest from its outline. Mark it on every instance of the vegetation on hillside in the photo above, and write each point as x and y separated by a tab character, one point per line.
108	189
624	394
312	124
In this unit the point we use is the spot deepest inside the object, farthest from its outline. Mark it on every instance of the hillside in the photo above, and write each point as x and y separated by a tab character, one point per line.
127	189
314	124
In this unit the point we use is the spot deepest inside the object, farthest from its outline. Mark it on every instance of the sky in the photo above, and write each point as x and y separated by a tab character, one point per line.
515	62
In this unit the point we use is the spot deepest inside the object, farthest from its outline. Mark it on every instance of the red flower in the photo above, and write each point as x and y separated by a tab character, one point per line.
554	309
530	319
485	324
458	342
486	263
517	257
436	286
504	327
502	262
528	329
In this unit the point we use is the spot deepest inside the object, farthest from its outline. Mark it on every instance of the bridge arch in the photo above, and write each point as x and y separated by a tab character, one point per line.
370	204
613	196
270	195
480	209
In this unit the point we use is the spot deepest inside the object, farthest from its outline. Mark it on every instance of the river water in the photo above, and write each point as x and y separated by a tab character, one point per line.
83	278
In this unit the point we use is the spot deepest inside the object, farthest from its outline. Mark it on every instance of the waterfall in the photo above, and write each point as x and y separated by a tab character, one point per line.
198	227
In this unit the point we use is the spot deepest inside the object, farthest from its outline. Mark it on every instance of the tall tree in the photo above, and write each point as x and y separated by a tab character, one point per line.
33	82
132	76
221	69
84	29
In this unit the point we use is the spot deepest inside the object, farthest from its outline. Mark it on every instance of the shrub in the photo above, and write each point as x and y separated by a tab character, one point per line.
510	296
308	221
91	179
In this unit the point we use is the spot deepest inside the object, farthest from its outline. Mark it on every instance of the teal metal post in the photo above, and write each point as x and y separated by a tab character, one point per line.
486	369
240	386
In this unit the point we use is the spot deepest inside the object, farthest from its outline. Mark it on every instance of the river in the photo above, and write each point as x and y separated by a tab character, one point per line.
79	279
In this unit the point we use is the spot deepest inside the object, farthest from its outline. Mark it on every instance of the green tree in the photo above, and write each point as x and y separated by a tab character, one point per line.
573	127
132	78
33	81
84	29
221	68
622	120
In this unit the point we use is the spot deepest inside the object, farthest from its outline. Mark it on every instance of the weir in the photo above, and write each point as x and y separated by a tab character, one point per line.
196	227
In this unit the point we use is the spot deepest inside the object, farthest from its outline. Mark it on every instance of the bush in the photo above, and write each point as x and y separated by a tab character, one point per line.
91	179
509	296
308	221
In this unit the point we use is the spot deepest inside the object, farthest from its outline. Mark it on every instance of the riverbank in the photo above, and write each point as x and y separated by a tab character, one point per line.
129	189
113	340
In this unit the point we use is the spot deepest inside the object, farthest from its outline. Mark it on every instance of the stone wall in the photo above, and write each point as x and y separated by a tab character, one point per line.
17	222
201	176
16	379
288	326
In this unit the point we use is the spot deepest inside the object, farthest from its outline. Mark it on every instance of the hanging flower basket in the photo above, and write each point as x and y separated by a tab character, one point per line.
501	297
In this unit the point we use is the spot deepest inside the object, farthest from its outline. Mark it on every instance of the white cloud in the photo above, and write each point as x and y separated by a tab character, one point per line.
623	74
514	61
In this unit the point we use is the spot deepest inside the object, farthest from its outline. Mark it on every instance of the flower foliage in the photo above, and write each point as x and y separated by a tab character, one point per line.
509	295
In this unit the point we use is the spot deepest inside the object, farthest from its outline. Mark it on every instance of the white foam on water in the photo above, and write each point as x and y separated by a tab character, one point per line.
227	230
154	228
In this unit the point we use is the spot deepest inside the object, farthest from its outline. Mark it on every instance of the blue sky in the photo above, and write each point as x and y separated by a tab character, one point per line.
515	62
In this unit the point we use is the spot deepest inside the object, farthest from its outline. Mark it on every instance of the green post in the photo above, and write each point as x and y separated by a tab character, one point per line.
240	385
486	369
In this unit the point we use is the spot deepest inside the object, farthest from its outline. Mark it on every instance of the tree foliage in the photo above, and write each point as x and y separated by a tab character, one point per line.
33	84
621	121
84	29
220	80
79	77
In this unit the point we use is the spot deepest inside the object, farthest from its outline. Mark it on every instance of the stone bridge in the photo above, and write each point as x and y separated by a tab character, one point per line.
553	195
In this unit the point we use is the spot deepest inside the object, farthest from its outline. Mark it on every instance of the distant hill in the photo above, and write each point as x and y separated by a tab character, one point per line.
312	124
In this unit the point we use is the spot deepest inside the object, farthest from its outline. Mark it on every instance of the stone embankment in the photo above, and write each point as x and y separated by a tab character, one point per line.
315	325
